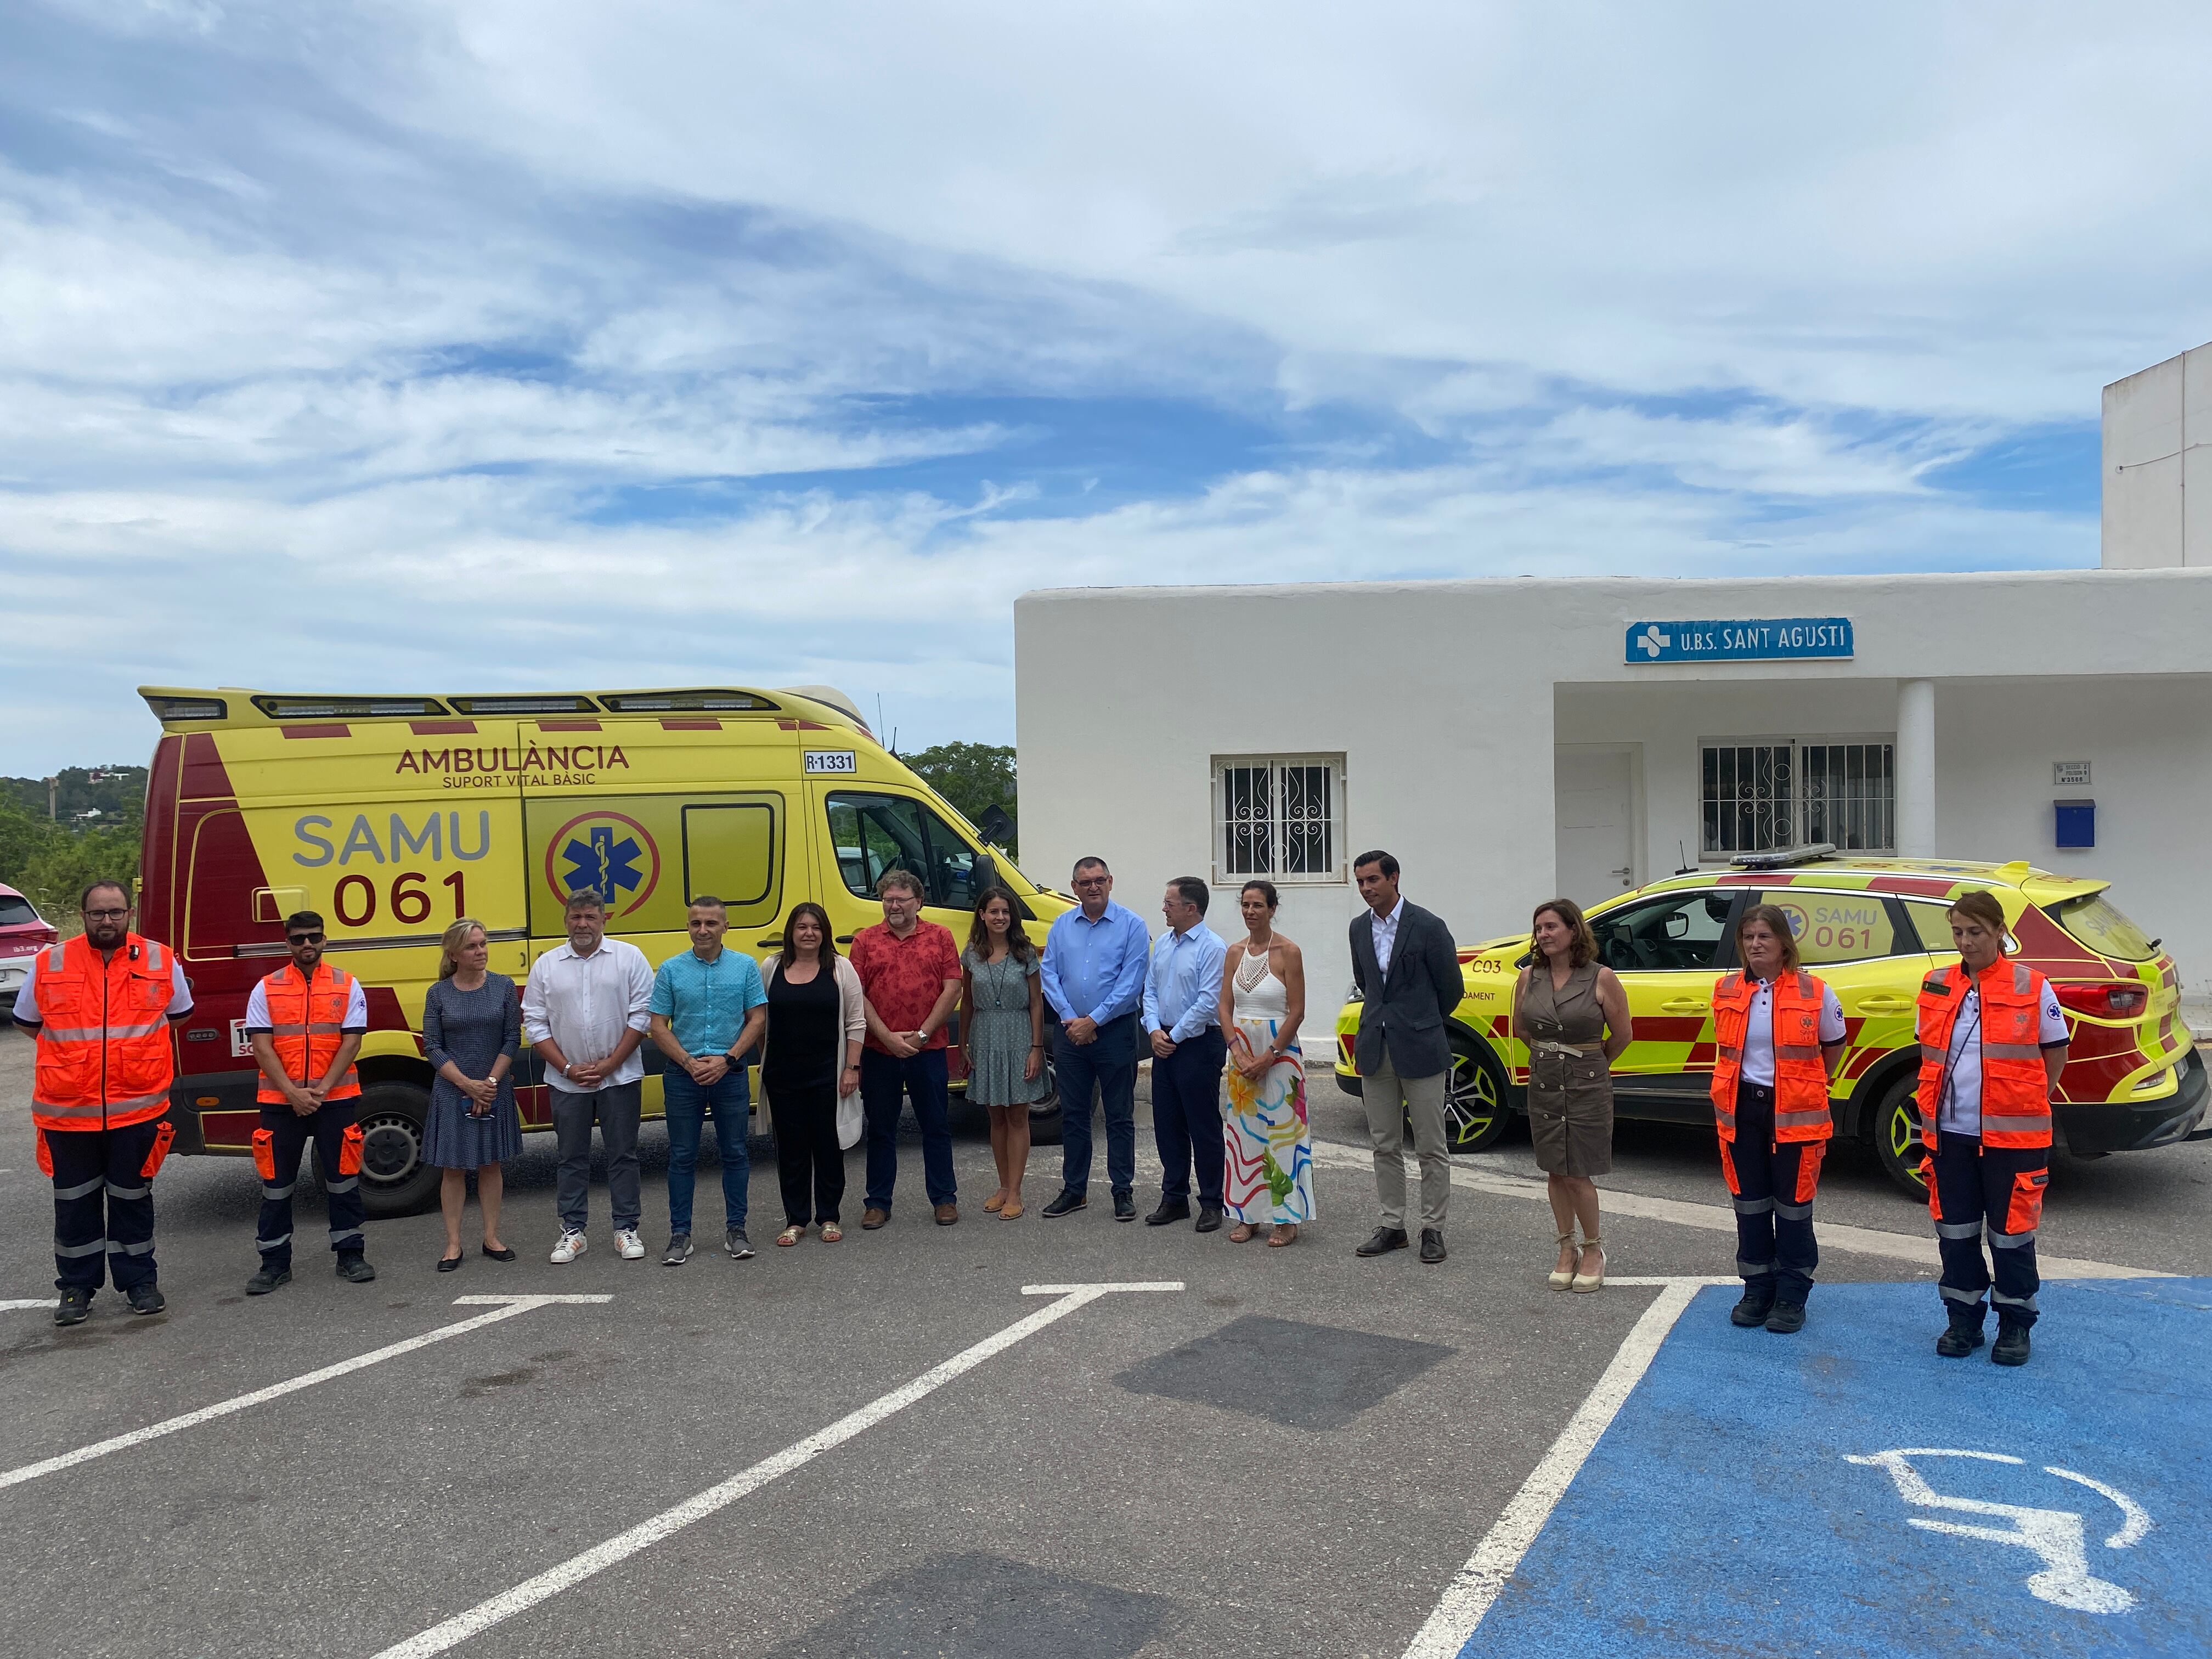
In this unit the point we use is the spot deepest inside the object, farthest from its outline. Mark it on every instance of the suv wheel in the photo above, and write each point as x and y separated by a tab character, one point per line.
1897	1137
1476	1115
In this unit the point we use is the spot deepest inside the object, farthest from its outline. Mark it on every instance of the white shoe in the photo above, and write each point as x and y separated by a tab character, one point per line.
631	1246
571	1246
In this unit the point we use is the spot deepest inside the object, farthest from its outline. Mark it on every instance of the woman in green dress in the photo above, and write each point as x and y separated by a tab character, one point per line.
1002	1037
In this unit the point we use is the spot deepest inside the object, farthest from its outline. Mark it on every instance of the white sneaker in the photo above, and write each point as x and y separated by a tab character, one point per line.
631	1246
571	1246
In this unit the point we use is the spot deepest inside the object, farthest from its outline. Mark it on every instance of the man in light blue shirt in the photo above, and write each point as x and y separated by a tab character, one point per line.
1183	1015
708	1010
1094	977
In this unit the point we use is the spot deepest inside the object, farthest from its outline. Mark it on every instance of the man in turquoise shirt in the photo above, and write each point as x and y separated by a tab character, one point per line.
708	1010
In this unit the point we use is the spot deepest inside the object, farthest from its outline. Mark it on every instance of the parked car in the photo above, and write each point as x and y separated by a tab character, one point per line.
23	933
1872	928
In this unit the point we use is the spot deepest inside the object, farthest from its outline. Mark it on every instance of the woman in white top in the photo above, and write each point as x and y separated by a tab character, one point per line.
1268	1168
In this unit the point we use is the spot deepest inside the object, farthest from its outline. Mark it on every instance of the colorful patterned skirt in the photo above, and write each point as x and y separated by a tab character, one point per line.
1268	1176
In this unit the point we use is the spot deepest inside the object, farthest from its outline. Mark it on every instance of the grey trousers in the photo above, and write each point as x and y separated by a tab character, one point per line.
617	1108
1387	1098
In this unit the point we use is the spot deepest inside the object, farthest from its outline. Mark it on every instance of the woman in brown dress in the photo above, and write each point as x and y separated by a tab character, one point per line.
1570	1010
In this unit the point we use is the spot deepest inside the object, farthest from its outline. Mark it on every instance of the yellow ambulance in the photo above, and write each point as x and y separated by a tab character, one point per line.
393	816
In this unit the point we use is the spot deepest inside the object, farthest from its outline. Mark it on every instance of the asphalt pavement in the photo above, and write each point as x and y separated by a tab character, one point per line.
1295	1451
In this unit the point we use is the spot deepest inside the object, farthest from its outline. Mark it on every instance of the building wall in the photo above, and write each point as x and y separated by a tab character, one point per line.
1441	696
2158	465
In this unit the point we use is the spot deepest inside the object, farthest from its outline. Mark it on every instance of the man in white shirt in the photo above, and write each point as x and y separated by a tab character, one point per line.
585	1009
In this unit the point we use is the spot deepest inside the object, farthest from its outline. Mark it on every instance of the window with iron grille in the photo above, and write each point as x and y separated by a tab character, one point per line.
1761	795
1281	816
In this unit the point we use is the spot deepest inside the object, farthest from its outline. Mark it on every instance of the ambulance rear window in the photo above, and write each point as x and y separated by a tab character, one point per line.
2097	922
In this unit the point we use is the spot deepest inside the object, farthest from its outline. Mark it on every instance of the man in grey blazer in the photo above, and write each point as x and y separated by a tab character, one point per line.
1407	968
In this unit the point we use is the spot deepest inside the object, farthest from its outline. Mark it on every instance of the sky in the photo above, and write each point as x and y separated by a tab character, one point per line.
527	344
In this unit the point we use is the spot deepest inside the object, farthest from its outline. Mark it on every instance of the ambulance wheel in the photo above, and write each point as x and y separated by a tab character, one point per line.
1476	1115
1045	1124
394	1179
1897	1137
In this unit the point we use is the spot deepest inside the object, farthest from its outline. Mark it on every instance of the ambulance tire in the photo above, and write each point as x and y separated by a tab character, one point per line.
395	1180
1897	1136
1476	1115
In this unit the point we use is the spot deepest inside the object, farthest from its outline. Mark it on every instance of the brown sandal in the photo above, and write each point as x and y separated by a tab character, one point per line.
790	1236
1012	1210
1241	1232
1286	1232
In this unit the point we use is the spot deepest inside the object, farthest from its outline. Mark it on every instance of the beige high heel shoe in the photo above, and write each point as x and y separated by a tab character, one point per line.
1560	1279
1591	1281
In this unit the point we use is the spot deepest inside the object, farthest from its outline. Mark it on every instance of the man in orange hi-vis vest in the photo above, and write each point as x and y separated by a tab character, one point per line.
1992	1044
101	1005
306	1022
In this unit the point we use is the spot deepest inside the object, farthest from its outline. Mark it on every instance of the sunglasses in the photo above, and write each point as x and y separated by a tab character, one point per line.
303	938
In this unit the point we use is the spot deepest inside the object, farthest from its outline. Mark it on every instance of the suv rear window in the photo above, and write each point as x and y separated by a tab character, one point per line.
15	911
2097	922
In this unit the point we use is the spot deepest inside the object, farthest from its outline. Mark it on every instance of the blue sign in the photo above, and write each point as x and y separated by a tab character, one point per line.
1753	639
1846	1491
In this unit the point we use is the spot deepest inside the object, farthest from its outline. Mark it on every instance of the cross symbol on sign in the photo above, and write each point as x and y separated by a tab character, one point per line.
1652	641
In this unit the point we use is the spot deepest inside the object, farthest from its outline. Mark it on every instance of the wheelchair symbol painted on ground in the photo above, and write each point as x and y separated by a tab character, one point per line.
2059	1537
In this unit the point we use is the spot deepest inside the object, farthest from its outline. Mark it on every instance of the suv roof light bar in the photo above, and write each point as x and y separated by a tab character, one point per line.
1783	858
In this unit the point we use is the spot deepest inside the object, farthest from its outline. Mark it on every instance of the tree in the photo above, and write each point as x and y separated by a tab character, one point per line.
974	776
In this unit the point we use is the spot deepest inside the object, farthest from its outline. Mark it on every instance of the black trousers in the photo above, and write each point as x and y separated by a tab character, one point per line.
1187	1118
1973	1189
103	1205
1772	1187
289	1135
809	1164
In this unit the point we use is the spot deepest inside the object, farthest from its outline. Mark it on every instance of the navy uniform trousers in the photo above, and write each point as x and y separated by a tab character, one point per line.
1973	1189
289	1133
1772	1187
103	1205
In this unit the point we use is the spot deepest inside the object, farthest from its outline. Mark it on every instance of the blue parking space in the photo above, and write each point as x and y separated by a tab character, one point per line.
1847	1492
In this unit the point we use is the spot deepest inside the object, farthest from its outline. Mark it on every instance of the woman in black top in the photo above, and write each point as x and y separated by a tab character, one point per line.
817	1017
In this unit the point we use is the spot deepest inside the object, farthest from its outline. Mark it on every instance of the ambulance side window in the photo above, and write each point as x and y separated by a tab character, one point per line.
875	833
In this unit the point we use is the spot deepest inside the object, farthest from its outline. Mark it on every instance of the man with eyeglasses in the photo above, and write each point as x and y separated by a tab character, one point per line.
101	1005
306	1022
1093	975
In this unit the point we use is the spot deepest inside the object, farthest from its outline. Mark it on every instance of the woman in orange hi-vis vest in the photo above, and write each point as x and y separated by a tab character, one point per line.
1992	1044
1780	1034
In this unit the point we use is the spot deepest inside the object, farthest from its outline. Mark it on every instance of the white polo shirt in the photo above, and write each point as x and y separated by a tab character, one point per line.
1758	1031
1960	1110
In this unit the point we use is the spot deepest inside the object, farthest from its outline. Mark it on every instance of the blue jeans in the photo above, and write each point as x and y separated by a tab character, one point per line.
1108	1064
920	1078
687	1105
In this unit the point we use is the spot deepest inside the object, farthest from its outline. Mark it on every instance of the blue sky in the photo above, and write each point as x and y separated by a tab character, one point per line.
426	347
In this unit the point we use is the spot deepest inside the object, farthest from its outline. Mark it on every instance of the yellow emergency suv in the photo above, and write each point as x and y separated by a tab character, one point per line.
1872	928
393	816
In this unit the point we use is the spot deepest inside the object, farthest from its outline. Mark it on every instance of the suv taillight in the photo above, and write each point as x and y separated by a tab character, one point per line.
2122	999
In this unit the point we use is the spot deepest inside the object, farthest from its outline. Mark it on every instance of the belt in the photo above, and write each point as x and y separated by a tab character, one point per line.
1545	1046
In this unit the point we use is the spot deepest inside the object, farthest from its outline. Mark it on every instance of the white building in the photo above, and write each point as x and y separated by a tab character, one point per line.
1510	740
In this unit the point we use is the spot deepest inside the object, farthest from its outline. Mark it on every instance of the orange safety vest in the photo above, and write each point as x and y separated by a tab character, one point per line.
306	1022
105	1057
2015	1090
1801	1081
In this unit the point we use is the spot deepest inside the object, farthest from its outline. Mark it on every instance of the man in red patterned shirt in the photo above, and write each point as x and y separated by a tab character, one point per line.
910	969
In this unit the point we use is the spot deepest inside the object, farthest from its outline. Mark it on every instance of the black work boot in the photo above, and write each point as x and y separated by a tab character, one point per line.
74	1307
2011	1346
268	1280
1787	1319
1964	1336
147	1298
353	1268
1758	1302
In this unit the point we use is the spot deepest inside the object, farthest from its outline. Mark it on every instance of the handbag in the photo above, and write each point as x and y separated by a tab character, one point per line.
849	1120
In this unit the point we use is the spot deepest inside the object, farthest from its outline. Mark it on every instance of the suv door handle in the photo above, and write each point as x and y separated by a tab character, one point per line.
1885	1005
1684	1005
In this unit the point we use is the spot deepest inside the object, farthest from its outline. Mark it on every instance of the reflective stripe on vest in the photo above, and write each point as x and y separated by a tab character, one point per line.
105	1054
304	1044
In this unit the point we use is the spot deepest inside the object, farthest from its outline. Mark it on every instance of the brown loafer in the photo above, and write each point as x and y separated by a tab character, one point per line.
947	1214
872	1217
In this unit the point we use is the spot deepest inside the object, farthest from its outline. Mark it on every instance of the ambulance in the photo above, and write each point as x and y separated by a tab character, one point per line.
391	817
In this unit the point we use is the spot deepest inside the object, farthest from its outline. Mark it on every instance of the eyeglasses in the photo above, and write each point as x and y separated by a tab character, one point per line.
303	938
106	915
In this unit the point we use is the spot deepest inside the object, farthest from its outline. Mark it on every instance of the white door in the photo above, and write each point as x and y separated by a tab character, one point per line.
1595	812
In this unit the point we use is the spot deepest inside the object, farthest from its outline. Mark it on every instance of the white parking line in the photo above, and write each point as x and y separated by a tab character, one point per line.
1476	1584
624	1545
507	1307
1917	1249
28	1302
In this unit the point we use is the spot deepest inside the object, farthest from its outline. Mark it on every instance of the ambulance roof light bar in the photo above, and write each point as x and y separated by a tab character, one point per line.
338	708
527	703
1784	858
700	701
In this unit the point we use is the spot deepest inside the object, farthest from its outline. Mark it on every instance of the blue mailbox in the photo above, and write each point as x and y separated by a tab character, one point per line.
2076	823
